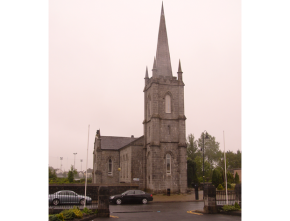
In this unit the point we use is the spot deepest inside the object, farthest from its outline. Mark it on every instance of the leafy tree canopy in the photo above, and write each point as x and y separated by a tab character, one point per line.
192	148
71	174
51	173
211	148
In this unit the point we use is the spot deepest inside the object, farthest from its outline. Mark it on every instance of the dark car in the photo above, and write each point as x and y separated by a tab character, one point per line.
131	196
68	197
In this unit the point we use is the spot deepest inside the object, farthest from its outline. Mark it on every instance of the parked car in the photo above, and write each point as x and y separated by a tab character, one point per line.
131	196
68	197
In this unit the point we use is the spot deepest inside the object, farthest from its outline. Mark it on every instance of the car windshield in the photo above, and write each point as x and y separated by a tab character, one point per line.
126	192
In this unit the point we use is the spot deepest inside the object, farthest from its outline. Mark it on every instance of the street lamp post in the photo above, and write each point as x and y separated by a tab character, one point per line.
81	164
75	160
203	138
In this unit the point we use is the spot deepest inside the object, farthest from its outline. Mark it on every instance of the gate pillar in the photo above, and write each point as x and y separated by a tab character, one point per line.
210	199
103	202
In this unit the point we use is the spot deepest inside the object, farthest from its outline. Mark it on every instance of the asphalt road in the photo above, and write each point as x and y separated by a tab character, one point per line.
165	212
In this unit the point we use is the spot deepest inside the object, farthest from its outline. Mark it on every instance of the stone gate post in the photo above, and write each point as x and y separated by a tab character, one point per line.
210	199
238	192
103	202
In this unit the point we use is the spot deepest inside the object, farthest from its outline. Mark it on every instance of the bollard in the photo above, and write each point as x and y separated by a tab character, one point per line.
196	191
168	192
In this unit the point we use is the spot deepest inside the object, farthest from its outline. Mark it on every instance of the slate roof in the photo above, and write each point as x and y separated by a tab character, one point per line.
115	143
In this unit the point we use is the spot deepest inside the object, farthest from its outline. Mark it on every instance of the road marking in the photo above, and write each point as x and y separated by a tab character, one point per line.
113	216
192	212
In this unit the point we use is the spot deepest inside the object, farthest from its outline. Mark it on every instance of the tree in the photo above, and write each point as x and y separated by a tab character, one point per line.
192	148
71	174
215	178
191	172
230	177
51	173
233	160
238	159
237	178
211	149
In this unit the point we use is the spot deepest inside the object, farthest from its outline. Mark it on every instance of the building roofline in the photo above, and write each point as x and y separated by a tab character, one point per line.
129	144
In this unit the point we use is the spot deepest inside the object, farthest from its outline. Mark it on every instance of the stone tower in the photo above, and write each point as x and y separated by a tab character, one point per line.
164	153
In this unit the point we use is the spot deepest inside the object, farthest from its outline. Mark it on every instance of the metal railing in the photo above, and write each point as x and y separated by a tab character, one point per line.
221	197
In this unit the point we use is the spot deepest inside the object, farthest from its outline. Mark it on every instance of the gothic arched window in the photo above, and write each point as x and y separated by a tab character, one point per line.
110	167
167	104
149	106
168	163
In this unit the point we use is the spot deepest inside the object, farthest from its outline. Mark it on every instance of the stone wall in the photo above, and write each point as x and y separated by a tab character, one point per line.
102	168
92	189
137	165
125	164
165	133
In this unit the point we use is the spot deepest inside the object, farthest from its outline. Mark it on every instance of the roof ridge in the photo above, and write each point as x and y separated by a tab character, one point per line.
117	136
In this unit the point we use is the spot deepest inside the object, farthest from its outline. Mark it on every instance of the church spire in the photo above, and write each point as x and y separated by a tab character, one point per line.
179	72
146	76
146	73
154	69
163	63
179	68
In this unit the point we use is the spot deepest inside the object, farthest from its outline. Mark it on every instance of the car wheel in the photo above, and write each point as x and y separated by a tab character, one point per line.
144	201
82	202
55	202
118	201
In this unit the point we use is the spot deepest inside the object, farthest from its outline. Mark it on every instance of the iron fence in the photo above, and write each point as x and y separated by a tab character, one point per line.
221	197
66	199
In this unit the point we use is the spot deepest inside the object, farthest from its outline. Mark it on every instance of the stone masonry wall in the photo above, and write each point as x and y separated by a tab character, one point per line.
137	162
103	167
125	164
166	135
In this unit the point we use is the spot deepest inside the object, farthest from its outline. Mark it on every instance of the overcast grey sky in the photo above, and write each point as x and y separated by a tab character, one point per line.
98	53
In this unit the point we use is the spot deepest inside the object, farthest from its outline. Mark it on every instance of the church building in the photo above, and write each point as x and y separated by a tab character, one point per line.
156	161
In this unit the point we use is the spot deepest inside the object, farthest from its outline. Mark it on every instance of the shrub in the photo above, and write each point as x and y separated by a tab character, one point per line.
237	205
68	214
220	187
229	186
229	208
54	218
77	212
60	217
87	211
237	178
96	211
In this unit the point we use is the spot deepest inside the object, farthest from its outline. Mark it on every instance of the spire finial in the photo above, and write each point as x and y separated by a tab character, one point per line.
179	68
154	64
154	69
162	10
146	74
